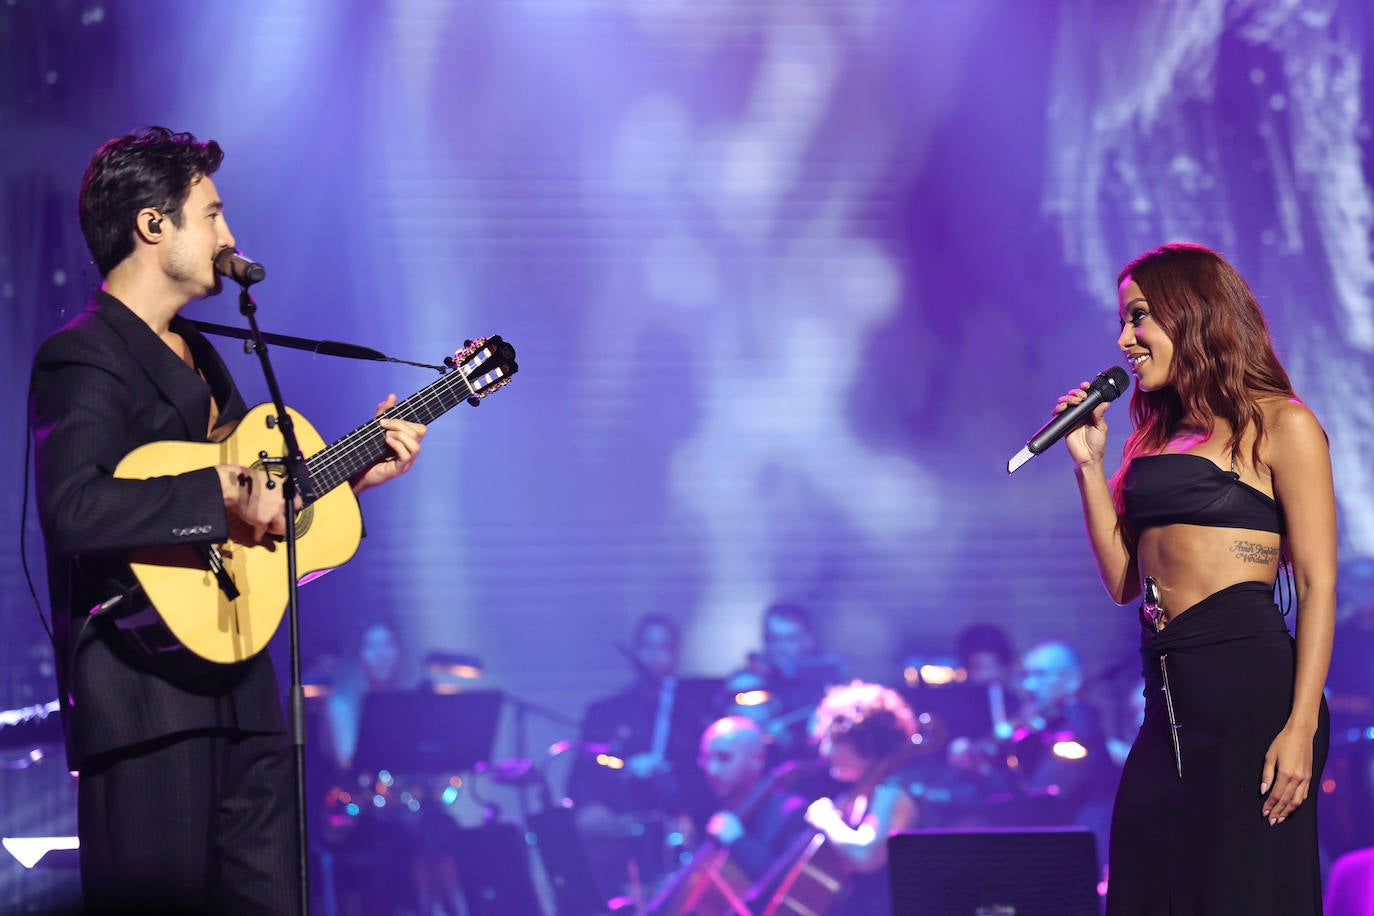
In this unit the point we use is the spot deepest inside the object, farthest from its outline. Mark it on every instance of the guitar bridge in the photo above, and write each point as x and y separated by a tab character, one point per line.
226	581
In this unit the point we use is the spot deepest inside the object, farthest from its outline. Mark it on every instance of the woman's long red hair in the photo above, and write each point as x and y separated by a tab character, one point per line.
1223	360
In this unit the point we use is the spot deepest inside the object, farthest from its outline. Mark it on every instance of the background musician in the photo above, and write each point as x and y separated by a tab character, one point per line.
756	822
734	759
1064	773
864	732
376	665
986	652
796	674
391	859
652	731
976	727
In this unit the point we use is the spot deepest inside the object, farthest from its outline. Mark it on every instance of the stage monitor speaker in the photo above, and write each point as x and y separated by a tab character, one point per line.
1026	872
494	870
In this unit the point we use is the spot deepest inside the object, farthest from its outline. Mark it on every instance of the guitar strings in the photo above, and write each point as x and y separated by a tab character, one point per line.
369	439
439	391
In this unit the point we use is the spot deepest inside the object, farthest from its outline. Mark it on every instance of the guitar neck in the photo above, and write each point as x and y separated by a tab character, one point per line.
366	445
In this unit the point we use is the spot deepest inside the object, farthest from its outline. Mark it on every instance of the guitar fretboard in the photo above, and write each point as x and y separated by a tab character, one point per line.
366	445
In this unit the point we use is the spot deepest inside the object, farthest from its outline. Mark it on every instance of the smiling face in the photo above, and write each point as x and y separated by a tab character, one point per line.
1148	349
189	249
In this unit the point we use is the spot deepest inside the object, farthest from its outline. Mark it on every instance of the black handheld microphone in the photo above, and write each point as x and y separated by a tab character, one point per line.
1107	387
232	264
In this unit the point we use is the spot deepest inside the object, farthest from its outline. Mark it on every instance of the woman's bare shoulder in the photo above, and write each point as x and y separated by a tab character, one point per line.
1291	428
1288	416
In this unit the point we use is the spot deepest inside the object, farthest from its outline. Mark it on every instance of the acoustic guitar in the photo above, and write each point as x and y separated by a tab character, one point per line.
224	602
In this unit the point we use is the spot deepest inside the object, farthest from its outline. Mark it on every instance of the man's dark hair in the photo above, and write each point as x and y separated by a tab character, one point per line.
152	168
792	613
985	637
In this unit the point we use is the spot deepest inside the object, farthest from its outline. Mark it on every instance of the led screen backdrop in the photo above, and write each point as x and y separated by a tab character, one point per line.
789	283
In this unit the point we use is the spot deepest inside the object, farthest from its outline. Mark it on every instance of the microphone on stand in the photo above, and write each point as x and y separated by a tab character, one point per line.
1108	386
232	264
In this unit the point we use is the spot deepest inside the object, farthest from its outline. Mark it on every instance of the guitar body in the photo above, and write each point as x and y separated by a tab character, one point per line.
187	594
178	580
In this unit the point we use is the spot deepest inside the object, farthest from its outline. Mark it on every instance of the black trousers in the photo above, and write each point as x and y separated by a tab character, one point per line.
1197	845
200	822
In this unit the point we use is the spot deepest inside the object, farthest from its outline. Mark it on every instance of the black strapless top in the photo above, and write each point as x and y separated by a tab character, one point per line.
1182	489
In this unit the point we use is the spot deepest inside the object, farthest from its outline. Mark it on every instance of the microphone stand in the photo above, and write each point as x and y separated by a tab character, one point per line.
318	347
296	481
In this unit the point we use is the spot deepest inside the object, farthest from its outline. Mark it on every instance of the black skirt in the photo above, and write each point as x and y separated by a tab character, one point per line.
1197	844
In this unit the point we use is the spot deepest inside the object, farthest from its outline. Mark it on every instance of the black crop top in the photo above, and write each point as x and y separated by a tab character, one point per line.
1183	489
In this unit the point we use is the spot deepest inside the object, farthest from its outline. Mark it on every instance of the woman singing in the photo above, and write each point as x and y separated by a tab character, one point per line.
1225	480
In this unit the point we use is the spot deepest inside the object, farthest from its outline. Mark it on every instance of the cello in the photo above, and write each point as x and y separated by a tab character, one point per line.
711	884
817	873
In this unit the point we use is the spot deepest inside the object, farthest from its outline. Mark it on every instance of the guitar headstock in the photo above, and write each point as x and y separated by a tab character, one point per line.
487	365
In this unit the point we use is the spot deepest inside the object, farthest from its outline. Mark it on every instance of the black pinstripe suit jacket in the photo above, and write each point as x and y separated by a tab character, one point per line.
101	386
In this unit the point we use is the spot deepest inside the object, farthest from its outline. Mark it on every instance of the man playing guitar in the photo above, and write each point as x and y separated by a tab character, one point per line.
185	792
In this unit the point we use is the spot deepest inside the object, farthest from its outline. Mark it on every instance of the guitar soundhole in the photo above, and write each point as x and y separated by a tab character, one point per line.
306	516
303	520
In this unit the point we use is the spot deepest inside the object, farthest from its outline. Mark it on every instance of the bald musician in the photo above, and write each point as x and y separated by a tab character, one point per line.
756	822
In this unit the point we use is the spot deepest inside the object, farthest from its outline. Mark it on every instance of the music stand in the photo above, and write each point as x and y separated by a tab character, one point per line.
494	870
960	710
564	855
1031	872
699	698
419	731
